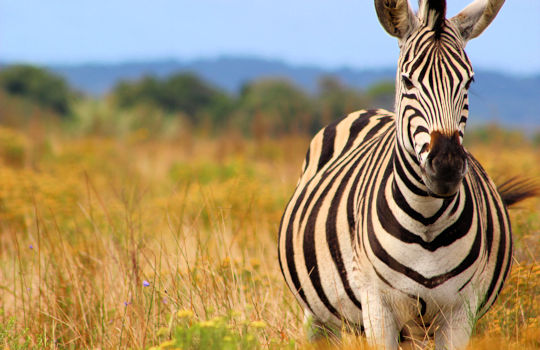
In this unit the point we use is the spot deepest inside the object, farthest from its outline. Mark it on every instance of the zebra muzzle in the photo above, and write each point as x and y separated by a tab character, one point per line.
446	164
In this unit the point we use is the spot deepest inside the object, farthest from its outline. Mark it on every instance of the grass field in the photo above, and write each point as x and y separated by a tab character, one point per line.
134	242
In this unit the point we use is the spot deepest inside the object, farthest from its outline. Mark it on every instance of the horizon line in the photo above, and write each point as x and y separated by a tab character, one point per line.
276	60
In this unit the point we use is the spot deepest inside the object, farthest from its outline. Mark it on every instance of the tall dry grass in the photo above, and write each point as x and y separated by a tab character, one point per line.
113	242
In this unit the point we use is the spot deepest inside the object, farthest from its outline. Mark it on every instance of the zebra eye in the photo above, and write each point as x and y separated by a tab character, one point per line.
468	84
407	82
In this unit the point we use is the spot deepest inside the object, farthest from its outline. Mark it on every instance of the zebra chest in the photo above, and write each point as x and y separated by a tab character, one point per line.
419	264
412	258
424	253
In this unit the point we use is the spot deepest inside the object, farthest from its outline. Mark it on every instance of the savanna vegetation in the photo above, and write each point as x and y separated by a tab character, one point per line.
149	217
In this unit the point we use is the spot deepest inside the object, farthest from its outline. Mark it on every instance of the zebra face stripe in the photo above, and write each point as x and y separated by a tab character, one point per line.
433	78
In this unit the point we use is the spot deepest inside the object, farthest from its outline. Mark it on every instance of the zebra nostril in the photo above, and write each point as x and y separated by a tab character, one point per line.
429	165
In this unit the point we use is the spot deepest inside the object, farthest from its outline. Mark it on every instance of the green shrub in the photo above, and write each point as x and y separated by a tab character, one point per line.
181	93
273	107
39	86
219	333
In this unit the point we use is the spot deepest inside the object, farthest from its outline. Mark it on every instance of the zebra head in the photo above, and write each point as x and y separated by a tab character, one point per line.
433	79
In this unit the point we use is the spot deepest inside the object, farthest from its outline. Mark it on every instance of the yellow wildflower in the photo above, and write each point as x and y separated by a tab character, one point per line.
258	324
207	324
184	314
255	263
226	262
162	331
167	344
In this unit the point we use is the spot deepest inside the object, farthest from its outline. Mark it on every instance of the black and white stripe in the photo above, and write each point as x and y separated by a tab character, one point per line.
393	226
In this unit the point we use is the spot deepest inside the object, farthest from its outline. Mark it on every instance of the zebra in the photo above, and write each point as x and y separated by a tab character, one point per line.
394	228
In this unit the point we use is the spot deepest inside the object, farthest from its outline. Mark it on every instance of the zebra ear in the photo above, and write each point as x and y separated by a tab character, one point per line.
396	17
473	19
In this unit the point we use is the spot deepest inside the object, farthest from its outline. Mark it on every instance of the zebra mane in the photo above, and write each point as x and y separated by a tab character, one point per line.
433	14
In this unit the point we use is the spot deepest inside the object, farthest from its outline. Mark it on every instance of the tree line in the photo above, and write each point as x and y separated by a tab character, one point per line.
272	106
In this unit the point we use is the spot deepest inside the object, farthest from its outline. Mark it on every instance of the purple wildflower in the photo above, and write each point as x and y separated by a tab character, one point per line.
146	283
31	246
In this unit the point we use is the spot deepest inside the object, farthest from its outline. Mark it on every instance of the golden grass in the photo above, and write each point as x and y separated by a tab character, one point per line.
104	240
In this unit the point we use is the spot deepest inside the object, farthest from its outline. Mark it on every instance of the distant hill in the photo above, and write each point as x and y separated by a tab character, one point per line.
506	99
229	73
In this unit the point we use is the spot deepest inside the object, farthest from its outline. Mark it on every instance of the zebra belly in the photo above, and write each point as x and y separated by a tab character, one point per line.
337	299
412	304
346	302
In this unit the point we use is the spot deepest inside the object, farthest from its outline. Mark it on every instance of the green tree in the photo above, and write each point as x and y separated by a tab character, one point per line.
274	107
184	92
335	100
146	91
39	86
382	94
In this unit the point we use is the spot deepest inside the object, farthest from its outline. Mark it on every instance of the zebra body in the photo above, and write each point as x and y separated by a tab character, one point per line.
341	241
394	227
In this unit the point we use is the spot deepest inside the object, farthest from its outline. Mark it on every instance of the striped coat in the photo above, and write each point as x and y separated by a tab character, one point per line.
339	233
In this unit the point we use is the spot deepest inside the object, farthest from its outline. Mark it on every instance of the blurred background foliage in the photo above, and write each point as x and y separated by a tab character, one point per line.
39	86
185	103
265	107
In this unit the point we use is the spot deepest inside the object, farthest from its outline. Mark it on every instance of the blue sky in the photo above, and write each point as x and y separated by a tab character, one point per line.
327	33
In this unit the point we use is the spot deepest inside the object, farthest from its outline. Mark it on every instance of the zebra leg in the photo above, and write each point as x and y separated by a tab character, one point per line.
379	322
317	331
454	330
